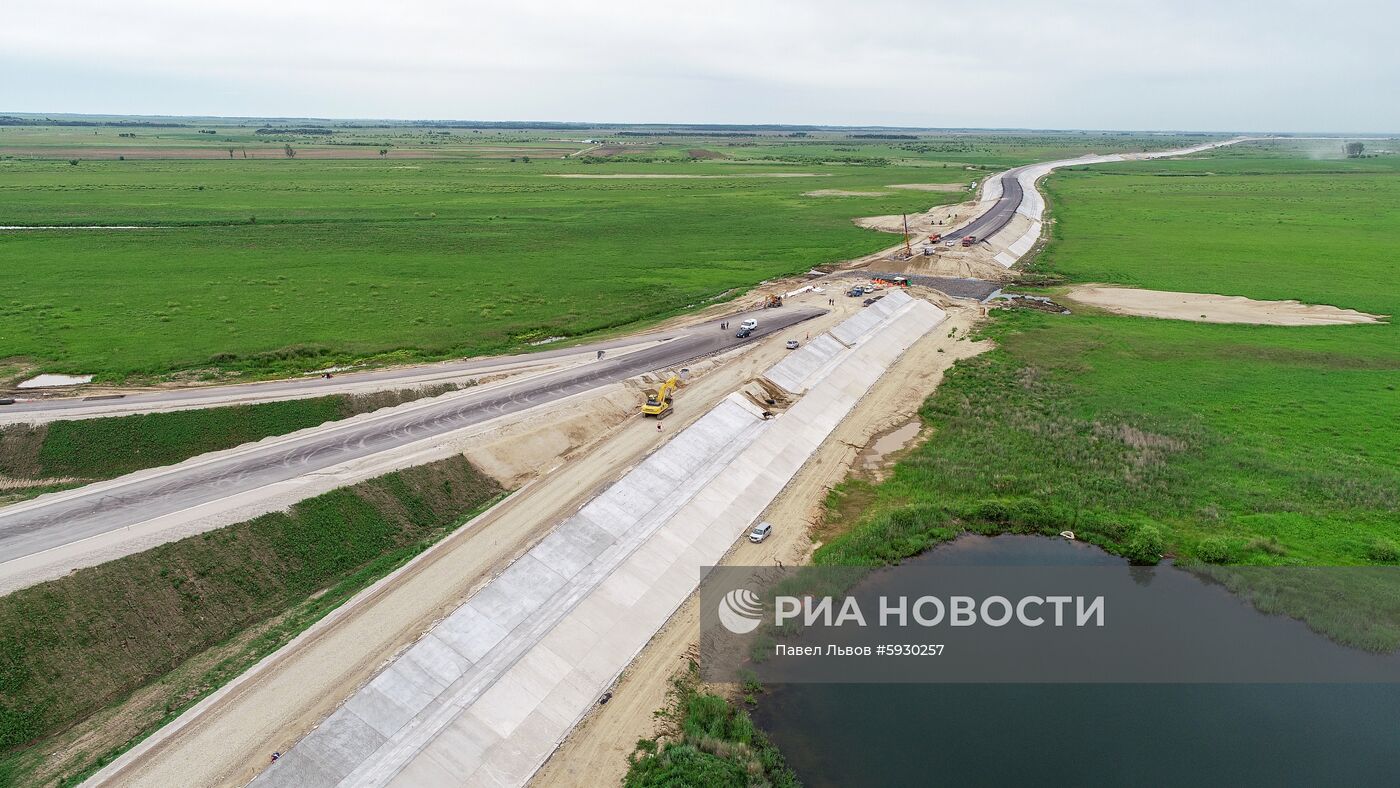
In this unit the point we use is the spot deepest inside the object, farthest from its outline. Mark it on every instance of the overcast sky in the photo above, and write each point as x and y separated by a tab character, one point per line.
1166	64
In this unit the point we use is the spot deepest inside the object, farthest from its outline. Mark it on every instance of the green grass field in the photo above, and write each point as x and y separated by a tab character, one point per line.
1217	443
354	260
271	265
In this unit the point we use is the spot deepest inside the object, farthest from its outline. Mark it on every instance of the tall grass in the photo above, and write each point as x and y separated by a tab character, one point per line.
712	744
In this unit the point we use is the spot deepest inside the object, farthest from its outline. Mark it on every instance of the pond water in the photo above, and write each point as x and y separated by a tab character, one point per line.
1082	734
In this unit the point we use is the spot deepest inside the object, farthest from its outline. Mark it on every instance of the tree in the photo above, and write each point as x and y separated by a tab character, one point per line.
525	159
289	151
230	153
1145	546
383	152
1354	150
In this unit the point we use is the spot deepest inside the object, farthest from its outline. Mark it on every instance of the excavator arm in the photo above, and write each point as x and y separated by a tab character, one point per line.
659	401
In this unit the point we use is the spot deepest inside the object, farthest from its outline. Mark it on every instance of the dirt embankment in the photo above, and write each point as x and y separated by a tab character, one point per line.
1211	308
521	450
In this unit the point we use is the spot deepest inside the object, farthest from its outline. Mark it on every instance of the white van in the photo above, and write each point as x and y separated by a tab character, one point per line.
750	324
760	532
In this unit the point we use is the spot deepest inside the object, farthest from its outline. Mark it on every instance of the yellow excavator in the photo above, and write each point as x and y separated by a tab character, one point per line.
659	401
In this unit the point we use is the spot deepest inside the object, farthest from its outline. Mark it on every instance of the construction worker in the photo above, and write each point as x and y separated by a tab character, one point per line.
600	355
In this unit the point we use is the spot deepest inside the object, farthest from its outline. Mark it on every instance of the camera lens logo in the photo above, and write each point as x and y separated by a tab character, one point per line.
740	611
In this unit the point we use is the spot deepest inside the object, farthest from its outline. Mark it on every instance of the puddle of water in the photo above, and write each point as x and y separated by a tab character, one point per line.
873	457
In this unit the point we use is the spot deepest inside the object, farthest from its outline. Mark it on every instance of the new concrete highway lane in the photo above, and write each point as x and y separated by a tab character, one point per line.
29	528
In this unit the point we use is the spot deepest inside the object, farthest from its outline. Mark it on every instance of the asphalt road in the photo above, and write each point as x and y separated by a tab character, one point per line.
29	528
1000	214
341	382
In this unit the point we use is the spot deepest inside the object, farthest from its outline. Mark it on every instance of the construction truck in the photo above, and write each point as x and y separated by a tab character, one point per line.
772	301
659	400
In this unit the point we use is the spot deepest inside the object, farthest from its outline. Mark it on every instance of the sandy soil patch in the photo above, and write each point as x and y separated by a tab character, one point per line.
889	224
842	193
1211	308
521	450
929	187
959	262
47	381
938	219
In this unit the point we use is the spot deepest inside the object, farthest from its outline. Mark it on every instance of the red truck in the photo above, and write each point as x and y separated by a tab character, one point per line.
969	240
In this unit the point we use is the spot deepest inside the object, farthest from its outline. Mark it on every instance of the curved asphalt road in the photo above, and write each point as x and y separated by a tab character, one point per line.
29	528
1000	214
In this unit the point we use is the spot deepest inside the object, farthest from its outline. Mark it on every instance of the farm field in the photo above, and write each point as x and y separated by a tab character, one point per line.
1212	443
273	265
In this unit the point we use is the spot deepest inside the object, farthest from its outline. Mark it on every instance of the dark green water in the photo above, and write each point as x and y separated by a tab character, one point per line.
1083	735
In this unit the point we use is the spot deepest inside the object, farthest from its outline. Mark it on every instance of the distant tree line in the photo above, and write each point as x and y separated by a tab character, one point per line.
13	120
295	130
684	134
